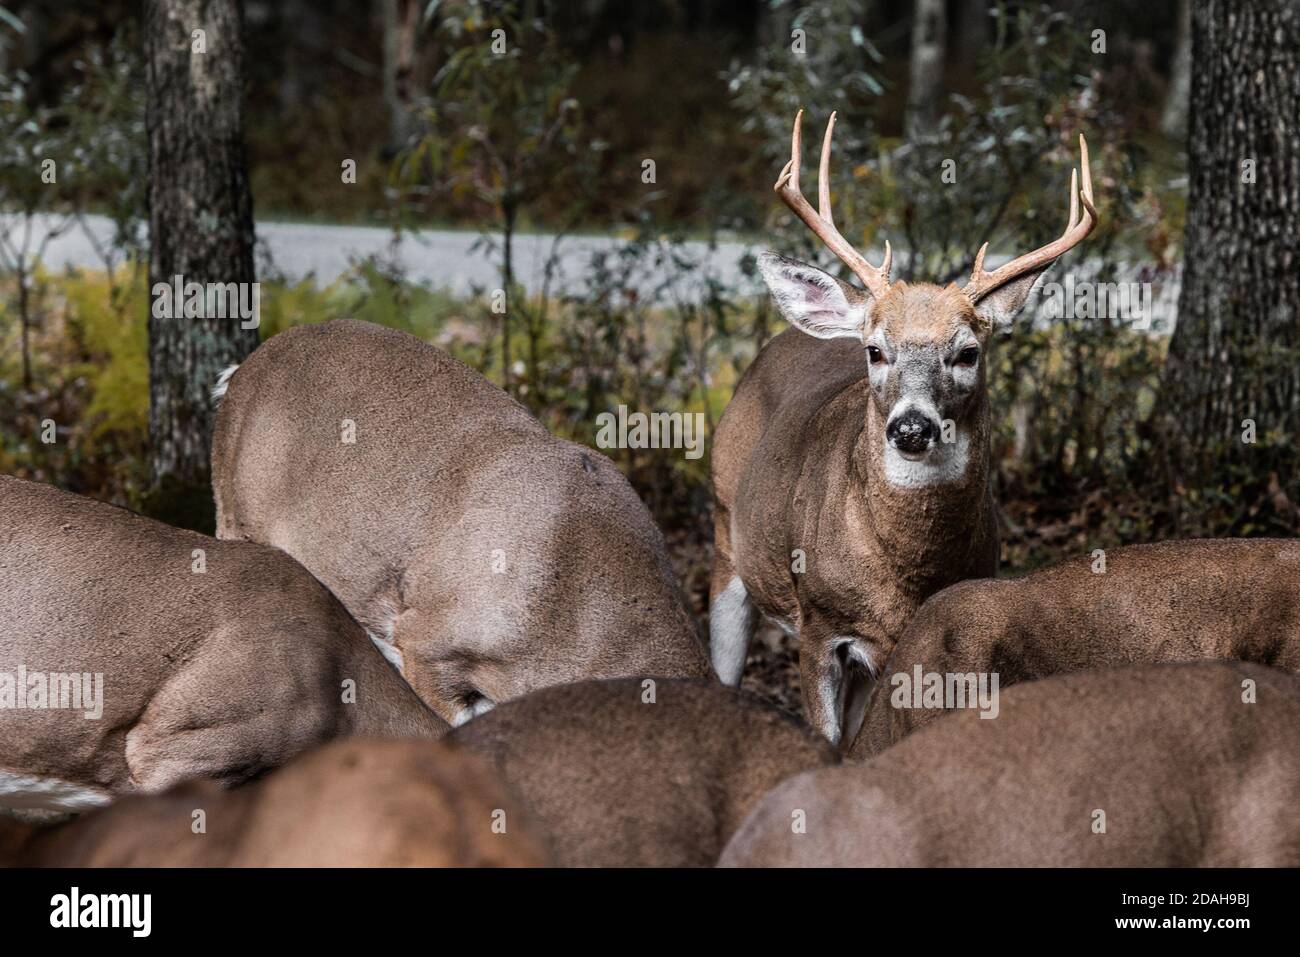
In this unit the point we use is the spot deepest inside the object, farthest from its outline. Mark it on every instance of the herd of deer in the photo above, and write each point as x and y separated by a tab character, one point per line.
431	633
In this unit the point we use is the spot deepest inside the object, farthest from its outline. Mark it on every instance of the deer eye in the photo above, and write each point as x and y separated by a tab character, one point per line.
968	356
874	355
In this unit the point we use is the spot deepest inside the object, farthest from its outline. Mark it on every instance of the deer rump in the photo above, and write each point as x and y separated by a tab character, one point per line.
357	802
485	555
1163	602
211	659
1171	765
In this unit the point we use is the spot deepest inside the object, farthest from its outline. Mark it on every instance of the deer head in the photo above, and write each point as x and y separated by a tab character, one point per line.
923	344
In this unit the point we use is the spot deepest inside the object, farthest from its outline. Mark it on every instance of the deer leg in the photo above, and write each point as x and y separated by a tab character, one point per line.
194	727
836	674
820	676
732	620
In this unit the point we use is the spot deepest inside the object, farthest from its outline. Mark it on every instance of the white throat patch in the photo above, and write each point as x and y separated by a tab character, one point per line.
944	464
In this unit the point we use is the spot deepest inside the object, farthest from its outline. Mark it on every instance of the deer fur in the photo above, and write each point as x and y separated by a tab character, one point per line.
490	556
801	466
218	674
1186	773
351	803
615	779
1171	601
851	480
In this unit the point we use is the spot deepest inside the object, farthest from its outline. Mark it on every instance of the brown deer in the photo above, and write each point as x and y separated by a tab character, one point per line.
486	555
1170	601
352	803
134	655
642	772
1172	765
851	476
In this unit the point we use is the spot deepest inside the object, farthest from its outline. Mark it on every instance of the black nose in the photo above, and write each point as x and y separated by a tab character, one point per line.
913	431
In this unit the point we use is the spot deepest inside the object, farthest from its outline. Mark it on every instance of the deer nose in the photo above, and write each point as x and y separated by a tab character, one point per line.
912	431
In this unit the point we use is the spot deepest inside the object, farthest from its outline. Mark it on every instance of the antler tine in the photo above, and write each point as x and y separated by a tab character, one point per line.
1074	200
824	175
876	279
1087	172
1079	226
796	152
1086	194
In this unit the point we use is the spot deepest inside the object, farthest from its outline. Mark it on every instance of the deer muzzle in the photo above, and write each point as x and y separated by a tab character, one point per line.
912	431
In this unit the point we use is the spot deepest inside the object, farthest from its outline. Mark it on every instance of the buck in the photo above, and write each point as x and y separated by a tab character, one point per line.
1172	765
851	476
1171	601
351	803
641	772
202	658
485	556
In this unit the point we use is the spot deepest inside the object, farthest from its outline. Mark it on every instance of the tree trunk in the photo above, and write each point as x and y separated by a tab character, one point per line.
1234	353
300	27
973	33
929	43
200	228
25	323
508	282
1177	99
401	22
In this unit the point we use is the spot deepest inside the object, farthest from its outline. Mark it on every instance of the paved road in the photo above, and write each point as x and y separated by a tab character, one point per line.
441	258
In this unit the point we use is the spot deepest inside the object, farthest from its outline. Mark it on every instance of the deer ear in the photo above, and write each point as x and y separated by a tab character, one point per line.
812	300
999	308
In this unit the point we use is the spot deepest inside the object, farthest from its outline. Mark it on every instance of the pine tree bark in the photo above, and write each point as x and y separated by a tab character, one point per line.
200	228
1235	354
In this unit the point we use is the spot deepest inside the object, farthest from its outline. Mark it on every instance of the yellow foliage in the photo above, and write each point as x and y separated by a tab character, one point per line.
112	329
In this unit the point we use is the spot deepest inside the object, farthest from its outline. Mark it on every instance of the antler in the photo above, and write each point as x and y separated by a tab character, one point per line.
982	283
876	279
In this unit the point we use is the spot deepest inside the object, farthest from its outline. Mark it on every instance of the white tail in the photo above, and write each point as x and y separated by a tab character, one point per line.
223	382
